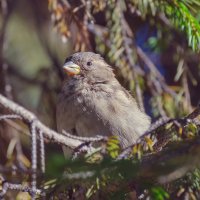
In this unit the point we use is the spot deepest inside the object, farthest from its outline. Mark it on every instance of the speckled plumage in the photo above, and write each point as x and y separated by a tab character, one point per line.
94	103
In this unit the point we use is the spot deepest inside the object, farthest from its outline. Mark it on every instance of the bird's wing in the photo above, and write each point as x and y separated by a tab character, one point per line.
118	111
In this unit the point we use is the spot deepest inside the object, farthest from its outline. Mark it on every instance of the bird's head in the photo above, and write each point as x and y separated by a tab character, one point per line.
87	64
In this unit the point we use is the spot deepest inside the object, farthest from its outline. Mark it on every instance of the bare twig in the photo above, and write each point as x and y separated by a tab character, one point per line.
11	116
30	117
194	114
97	138
19	187
33	157
42	151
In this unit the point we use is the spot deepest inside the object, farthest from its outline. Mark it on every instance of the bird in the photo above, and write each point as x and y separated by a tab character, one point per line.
92	102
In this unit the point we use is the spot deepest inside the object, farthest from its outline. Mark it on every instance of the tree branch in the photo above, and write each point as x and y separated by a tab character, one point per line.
29	117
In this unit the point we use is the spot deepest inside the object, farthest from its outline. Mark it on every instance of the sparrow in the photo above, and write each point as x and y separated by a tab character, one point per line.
92	102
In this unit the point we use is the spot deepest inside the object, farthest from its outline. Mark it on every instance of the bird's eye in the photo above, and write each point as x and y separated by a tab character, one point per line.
89	63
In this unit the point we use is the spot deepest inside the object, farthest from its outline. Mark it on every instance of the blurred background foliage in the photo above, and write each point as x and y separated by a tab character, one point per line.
152	44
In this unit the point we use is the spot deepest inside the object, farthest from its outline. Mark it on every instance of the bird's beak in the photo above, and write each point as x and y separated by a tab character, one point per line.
71	68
